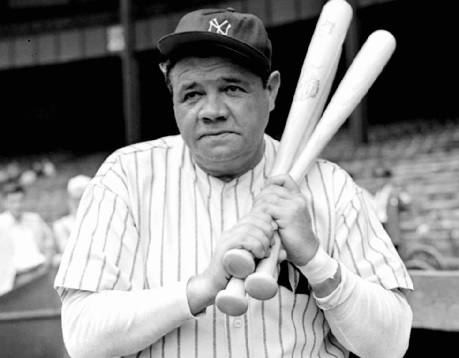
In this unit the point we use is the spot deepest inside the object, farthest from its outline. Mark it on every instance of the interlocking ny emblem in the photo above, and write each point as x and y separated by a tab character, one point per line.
219	28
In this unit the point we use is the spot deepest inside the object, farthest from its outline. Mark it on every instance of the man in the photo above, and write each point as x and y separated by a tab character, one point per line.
143	265
7	267
29	234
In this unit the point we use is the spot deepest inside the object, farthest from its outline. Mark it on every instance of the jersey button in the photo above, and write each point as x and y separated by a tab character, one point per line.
237	323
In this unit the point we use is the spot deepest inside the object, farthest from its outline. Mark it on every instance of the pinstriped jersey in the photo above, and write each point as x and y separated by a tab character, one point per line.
151	218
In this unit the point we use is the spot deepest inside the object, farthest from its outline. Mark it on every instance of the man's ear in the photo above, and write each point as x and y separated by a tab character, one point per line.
272	86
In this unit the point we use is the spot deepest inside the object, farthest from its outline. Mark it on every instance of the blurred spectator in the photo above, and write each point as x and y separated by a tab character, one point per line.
7	267
62	227
389	194
29	234
389	201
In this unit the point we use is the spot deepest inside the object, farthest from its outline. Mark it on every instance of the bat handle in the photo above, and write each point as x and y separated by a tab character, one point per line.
262	284
239	263
233	299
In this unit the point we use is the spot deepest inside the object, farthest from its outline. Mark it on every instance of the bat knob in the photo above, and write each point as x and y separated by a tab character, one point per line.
239	263
233	300
261	286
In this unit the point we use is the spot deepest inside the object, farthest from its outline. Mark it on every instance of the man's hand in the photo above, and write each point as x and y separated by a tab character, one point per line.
254	233
282	199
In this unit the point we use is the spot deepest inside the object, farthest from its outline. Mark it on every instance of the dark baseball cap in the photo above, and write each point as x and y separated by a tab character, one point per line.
235	33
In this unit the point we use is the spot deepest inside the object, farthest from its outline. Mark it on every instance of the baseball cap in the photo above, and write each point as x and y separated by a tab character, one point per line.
77	185
239	34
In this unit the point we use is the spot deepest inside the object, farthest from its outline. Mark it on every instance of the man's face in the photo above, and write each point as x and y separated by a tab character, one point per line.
14	203
222	111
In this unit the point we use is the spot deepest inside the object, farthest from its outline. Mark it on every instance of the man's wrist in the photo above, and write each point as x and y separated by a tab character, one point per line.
320	268
199	295
323	273
325	288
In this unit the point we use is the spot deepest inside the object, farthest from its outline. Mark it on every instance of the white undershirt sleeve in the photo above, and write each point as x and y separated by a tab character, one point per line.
366	318
119	323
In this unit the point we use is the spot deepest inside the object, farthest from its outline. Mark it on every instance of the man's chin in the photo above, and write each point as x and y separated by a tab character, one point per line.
220	160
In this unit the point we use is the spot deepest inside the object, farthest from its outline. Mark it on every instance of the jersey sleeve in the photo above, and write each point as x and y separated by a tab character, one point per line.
103	251
361	242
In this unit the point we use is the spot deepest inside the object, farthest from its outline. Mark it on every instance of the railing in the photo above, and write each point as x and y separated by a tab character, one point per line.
30	319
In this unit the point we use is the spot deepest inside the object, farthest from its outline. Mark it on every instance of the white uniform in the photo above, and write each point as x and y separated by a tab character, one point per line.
149	221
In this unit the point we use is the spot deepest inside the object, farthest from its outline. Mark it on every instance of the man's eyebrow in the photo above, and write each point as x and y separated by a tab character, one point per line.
188	85
229	79
234	80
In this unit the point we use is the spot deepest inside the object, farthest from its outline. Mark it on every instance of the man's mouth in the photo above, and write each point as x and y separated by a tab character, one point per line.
220	134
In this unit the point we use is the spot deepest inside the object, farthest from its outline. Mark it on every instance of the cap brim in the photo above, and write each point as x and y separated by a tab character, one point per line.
172	44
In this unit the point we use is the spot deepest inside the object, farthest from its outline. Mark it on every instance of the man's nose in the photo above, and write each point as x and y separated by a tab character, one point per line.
213	108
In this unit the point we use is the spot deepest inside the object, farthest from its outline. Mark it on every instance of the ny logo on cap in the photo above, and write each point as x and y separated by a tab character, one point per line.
219	28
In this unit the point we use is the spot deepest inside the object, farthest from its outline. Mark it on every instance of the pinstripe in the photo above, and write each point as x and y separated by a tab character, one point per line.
196	255
163	207
246	325
105	244
179	331
72	251
209	197
196	230
214	331
228	330
348	246
120	250
222	226
166	173
265	343
304	326
370	245
88	254
292	317
327	350
121	178
137	184
314	335
329	238
161	266
211	229
179	226
313	210
341	191
150	203
134	261
388	248
180	238
333	341
236	201
354	263
281	340
359	228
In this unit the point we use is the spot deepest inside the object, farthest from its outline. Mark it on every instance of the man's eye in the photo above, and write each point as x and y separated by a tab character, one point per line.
234	89
190	96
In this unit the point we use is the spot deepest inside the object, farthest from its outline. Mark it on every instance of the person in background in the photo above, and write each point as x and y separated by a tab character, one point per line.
143	266
62	227
7	266
31	236
390	201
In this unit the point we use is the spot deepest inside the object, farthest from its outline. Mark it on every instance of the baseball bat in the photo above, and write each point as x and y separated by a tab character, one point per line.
262	284
320	61
360	76
320	64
